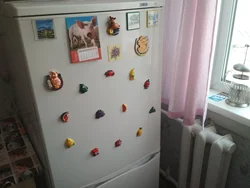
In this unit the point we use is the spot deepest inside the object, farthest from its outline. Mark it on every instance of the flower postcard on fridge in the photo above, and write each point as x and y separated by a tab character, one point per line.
84	41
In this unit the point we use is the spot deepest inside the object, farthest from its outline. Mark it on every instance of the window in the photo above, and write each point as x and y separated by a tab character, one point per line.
232	36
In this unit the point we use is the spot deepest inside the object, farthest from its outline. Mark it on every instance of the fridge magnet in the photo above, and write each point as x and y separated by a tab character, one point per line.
141	45
118	143
44	29
54	81
124	108
152	18
132	74
113	26
133	20
65	117
109	73
83	88
152	110
114	52
99	114
95	152
69	142
84	41
139	132
147	84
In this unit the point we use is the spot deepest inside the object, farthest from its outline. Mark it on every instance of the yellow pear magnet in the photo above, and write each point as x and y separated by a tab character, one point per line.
139	132
69	142
132	74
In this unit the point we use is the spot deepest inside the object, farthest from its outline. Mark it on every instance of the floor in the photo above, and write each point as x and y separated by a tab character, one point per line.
165	184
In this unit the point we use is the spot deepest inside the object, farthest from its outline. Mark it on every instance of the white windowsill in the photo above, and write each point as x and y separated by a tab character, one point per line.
240	115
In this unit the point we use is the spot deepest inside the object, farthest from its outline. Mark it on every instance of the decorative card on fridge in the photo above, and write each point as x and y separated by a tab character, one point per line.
84	41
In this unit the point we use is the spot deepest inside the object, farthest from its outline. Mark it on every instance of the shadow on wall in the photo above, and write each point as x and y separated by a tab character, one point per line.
170	145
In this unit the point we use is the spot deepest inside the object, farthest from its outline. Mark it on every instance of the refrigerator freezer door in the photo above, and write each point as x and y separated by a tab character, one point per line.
146	176
75	167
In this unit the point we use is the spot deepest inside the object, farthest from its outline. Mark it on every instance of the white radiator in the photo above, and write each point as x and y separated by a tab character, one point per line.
205	158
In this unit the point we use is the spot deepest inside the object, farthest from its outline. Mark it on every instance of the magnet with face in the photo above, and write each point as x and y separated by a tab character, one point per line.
54	81
113	26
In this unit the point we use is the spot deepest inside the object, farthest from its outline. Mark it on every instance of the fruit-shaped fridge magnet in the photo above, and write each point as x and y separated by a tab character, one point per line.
109	73
69	142
147	84
54	81
83	88
124	108
118	143
132	74
139	132
99	114
152	110
141	45
95	152
65	117
113	26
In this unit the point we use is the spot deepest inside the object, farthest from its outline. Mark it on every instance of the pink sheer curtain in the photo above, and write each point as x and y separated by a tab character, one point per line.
188	43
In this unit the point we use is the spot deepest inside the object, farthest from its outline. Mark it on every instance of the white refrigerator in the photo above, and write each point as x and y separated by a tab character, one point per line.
89	99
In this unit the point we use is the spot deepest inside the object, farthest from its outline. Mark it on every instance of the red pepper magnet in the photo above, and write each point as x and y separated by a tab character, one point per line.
147	84
95	152
65	117
118	143
109	73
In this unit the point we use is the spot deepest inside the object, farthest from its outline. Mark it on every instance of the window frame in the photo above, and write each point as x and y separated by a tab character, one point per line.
223	43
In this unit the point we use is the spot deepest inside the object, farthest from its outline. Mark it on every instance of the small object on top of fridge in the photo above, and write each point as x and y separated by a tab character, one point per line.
65	117
95	152
132	74
83	88
139	132
124	108
152	110
54	80
118	143
147	84
99	114
141	45
109	73
114	52
113	26
69	142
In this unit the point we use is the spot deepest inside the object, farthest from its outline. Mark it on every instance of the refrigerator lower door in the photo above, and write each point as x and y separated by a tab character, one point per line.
142	174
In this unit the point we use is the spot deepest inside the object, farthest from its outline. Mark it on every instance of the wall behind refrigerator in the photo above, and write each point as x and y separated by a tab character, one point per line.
6	88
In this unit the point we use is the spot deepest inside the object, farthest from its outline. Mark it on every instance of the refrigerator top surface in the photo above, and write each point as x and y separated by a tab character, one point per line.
57	7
